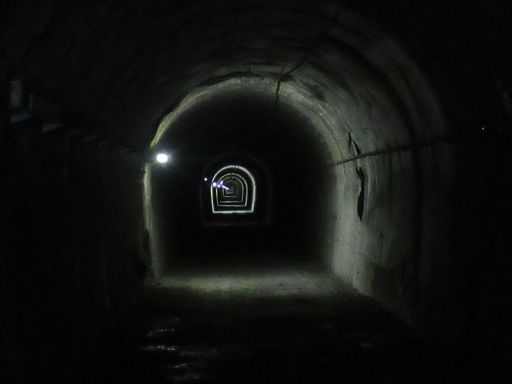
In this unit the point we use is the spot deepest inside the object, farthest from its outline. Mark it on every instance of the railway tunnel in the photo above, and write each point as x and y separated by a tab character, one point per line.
268	191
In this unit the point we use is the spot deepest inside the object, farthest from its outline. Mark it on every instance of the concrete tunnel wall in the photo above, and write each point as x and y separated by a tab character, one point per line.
394	101
369	106
69	251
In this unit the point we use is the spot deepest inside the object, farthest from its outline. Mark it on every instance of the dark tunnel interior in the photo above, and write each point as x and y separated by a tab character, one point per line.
286	161
255	191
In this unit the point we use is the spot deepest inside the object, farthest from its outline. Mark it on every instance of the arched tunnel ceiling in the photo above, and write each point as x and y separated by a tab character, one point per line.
124	65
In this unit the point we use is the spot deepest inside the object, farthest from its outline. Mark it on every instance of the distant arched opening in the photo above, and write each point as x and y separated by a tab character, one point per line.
233	191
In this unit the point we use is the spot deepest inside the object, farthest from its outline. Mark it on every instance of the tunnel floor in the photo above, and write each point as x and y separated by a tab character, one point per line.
287	327
252	281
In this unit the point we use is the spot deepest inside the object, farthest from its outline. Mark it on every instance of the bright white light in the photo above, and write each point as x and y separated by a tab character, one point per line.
219	185
162	158
205	179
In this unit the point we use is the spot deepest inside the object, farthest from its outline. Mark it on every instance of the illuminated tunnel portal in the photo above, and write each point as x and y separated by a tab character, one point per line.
233	190
255	191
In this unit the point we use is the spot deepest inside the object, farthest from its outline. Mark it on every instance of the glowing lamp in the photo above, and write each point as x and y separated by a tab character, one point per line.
162	158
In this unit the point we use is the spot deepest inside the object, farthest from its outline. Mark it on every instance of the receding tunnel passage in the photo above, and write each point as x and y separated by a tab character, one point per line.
233	189
234	139
239	191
